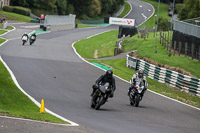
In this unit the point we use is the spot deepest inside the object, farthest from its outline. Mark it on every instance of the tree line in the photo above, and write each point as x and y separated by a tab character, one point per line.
188	9
82	8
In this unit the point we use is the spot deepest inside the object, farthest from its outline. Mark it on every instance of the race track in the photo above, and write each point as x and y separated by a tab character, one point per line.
50	69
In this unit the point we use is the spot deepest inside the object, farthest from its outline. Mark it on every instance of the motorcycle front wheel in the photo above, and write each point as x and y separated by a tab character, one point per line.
100	102
137	100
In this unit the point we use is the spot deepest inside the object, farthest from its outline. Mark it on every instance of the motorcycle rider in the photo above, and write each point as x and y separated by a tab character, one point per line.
138	77
108	77
25	36
32	38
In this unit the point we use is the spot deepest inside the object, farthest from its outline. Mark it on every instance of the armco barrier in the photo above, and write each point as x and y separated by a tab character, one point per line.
163	75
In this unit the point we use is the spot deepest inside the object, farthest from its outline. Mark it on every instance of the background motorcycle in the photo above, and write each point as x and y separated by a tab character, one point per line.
32	40
24	39
100	96
136	95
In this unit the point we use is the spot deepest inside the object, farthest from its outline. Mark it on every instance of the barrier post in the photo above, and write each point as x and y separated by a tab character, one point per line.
174	47
186	47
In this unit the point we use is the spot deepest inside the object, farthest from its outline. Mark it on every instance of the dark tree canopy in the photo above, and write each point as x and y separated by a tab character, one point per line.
89	8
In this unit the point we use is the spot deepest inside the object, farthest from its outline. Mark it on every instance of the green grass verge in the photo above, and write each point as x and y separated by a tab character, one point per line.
9	28
2	32
119	68
104	43
127	8
15	17
85	26
145	48
2	40
163	12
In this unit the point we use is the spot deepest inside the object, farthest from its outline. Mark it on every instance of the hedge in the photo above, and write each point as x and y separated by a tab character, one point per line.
18	9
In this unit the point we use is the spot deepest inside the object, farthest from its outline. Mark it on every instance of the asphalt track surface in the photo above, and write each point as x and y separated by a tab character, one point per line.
51	70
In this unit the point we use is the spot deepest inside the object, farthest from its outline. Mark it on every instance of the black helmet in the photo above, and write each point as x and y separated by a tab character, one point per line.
140	73
109	73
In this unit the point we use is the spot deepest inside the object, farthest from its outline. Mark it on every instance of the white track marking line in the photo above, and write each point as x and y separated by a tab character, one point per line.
129	11
126	80
17	23
30	97
148	17
8	31
43	122
145	17
30	27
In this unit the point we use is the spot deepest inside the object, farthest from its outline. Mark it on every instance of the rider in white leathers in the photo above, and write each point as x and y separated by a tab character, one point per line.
138	77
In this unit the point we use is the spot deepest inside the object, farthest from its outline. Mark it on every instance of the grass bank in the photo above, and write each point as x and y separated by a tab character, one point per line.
85	26
119	68
163	12
14	103
104	44
127	8
15	17
2	32
145	48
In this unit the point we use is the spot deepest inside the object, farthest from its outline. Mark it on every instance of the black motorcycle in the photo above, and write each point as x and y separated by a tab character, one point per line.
100	96
136	95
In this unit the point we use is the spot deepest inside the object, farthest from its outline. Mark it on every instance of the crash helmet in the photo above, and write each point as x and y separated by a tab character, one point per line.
140	73
109	73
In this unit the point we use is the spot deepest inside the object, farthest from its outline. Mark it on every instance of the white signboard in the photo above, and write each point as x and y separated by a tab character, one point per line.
122	21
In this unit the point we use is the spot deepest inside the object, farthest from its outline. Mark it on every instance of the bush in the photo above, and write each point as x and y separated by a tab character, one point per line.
17	9
22	10
178	8
8	8
163	24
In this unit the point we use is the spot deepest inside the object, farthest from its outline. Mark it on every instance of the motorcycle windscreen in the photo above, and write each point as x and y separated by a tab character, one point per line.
33	37
102	89
140	89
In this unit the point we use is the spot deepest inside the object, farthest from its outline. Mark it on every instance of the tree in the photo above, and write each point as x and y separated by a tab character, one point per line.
190	9
61	6
94	8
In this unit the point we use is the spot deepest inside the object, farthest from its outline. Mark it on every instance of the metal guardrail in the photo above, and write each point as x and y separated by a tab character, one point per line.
58	20
166	76
187	28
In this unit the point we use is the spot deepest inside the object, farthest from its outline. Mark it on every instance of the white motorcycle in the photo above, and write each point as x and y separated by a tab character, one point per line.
136	94
24	40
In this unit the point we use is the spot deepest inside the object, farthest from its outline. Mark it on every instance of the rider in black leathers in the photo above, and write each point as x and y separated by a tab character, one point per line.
108	77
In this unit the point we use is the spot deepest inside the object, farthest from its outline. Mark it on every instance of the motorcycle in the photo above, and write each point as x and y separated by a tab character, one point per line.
136	94
100	96
24	40
32	40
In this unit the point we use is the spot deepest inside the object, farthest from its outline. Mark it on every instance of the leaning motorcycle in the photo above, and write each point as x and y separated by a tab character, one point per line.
100	96
32	40
24	40
136	94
